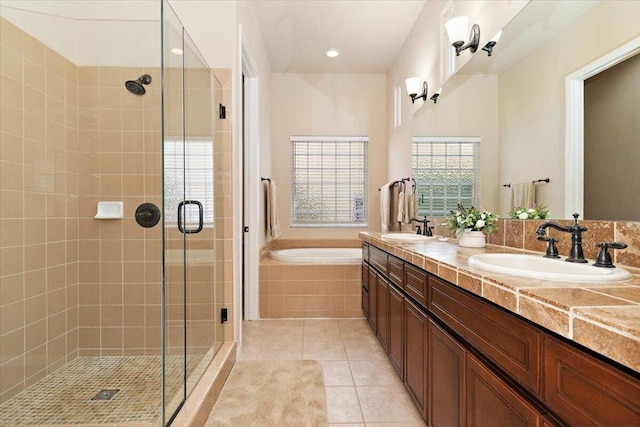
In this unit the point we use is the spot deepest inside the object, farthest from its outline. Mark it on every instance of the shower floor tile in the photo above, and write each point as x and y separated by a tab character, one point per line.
64	397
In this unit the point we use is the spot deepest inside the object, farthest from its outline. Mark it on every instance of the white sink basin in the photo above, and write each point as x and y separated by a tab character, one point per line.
406	237
537	267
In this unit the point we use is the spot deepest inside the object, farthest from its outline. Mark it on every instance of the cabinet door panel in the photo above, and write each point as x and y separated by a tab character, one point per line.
508	341
382	328
415	361
446	379
396	333
491	402
365	275
373	298
365	302
585	391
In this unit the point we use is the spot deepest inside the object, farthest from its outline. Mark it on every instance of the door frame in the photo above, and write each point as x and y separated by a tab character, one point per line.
251	183
574	132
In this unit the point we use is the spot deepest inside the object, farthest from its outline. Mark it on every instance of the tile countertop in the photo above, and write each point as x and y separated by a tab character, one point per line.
604	317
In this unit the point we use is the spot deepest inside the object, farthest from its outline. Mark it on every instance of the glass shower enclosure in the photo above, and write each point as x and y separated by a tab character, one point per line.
109	303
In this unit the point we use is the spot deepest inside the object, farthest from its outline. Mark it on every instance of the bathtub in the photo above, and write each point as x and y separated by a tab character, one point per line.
319	255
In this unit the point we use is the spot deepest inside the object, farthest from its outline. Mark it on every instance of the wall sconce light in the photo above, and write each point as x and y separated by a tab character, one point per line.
413	87
489	46
457	32
435	96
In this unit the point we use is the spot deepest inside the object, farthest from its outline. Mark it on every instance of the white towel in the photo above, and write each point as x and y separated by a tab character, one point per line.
410	209
384	207
401	207
523	195
273	224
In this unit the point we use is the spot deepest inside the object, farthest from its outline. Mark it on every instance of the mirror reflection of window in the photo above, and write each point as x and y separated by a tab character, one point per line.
446	170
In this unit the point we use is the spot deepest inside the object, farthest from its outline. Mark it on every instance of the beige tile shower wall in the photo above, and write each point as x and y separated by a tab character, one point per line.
120	262
38	210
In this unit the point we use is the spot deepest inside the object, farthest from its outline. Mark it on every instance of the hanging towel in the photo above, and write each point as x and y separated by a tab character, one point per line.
273	224
394	197
401	207
385	207
410	206
523	195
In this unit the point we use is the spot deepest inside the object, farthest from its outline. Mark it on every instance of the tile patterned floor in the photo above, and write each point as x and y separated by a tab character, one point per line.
64	397
361	385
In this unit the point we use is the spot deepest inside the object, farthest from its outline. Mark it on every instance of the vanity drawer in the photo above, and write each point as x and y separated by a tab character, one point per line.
365	252
585	390
415	284
379	259
396	269
509	342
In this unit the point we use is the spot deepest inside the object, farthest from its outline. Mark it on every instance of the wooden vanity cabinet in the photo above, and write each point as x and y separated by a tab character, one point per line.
467	362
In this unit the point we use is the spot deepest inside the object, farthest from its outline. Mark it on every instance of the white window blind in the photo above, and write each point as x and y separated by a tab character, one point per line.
446	171
188	175
329	181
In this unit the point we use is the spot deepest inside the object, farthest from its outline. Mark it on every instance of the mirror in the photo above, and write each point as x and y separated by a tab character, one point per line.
515	100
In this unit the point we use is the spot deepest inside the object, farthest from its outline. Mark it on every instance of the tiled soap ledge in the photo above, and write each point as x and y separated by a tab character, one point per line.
604	317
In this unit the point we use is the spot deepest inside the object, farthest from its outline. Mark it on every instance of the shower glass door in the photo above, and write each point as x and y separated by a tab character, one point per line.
189	314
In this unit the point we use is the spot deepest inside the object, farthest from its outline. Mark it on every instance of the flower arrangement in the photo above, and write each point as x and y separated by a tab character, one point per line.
471	219
538	212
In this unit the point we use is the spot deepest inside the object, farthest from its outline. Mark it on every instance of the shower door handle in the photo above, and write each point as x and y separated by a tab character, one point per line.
181	208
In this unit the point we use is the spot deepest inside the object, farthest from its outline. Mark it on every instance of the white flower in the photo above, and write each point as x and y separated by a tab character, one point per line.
483	216
531	211
479	224
523	215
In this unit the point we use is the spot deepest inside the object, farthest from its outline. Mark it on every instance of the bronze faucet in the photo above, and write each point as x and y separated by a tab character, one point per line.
575	254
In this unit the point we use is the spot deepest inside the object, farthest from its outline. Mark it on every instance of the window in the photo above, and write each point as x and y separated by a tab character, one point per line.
188	175
446	171
329	181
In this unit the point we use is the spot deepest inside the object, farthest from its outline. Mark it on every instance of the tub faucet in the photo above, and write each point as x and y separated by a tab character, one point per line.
425	230
576	230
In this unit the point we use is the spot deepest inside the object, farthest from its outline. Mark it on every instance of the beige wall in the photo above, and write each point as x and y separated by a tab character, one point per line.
327	104
39	190
532	101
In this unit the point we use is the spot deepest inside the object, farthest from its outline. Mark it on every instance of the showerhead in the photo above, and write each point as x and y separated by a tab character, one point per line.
136	86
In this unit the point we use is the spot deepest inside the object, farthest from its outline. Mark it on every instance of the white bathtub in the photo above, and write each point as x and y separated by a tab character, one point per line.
319	255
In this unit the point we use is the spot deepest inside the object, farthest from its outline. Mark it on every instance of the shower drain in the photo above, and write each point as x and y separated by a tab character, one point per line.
105	394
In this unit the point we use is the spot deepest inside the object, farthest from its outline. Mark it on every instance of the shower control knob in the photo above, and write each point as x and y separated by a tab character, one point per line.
147	215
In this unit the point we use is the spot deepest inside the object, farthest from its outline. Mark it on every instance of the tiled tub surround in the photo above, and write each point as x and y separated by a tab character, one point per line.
602	317
307	290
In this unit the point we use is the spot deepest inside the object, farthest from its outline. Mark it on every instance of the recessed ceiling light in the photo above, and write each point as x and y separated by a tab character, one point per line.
176	51
332	53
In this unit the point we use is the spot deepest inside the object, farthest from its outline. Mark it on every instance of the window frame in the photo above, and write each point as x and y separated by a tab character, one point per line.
293	223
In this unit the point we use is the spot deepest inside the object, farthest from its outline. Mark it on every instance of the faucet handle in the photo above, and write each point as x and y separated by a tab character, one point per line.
604	258
552	249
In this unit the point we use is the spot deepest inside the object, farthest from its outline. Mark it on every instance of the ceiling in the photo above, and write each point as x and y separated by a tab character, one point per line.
368	33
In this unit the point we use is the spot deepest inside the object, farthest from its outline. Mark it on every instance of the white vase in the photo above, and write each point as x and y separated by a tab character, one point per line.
473	239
